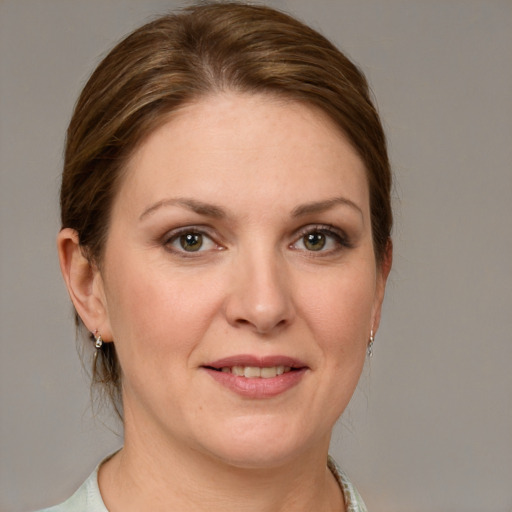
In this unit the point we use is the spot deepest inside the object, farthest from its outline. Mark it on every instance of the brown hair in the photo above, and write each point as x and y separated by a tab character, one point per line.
178	58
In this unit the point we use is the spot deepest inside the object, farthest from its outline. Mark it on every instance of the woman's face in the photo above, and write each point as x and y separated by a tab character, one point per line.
239	280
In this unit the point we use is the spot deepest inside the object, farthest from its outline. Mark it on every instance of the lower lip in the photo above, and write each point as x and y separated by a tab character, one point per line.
258	387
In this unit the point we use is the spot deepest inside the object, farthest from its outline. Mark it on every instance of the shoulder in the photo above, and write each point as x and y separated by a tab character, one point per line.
86	499
353	500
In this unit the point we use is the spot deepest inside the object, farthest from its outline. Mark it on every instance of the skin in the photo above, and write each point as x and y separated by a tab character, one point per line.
253	176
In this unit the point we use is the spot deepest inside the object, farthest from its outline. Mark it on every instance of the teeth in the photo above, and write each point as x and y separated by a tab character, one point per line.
238	370
268	373
254	372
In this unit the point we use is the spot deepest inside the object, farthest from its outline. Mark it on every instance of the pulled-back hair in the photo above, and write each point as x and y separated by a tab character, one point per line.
179	58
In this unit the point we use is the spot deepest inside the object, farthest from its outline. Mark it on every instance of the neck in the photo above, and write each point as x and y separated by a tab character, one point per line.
160	477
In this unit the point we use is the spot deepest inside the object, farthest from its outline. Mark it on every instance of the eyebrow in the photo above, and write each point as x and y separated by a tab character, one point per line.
211	210
322	206
191	204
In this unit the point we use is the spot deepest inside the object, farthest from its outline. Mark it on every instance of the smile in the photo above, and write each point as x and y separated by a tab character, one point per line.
257	378
255	372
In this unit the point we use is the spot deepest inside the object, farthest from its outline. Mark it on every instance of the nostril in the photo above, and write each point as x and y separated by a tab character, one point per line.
260	326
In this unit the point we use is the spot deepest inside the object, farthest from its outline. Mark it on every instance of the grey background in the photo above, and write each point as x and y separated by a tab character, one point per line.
430	428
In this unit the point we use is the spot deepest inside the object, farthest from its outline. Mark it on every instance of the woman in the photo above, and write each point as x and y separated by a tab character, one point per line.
226	242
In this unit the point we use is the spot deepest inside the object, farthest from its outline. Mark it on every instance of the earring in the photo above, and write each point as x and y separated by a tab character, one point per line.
369	350
97	338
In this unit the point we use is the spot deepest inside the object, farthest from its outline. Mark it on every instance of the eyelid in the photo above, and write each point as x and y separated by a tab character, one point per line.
339	236
171	236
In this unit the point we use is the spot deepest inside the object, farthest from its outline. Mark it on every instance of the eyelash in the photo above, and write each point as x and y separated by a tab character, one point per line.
337	236
173	237
331	234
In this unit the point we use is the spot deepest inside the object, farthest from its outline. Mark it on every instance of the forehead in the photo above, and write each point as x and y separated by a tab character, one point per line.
230	145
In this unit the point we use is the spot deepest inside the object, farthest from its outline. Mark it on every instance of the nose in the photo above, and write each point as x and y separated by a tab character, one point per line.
260	297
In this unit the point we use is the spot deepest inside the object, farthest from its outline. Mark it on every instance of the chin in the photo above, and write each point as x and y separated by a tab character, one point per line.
257	456
256	444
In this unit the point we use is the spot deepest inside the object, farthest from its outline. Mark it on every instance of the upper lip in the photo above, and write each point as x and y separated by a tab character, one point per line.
257	361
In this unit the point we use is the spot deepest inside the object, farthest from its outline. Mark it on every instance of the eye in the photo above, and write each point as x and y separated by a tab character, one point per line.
314	241
190	241
325	239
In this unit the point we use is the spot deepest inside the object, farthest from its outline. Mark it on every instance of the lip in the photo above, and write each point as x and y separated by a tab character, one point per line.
257	388
251	360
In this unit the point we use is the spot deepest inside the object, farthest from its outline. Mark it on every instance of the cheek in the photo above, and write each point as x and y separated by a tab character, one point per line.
158	319
156	313
340	311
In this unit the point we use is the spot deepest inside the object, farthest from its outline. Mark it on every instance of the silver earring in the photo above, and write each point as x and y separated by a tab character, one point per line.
97	338
369	350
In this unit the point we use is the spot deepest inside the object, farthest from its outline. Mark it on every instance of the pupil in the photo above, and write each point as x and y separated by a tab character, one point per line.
191	241
314	241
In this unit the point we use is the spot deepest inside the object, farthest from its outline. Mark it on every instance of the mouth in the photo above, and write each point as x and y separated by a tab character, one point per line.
254	372
257	377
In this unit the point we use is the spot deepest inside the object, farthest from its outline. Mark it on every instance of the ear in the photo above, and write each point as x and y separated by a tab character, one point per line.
84	283
384	267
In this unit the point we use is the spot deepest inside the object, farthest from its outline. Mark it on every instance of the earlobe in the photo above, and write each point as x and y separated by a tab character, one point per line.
84	283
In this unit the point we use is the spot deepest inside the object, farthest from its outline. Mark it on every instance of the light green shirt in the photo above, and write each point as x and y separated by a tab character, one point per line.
88	498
